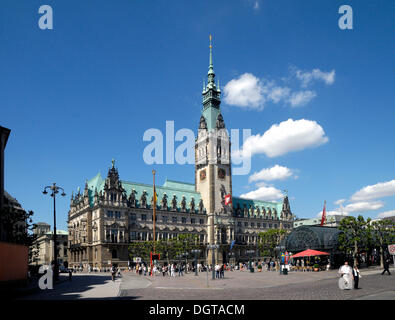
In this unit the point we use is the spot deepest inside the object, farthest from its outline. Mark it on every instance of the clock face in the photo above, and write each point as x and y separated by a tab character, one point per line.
202	175
221	173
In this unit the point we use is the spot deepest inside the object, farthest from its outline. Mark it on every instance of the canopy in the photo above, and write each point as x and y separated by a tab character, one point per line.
310	253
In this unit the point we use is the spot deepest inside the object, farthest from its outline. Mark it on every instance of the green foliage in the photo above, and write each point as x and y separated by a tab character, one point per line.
16	224
269	240
355	235
168	249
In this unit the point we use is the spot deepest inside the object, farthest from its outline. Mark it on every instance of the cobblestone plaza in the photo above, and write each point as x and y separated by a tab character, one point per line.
237	285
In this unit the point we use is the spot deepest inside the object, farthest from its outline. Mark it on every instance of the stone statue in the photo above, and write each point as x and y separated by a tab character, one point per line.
201	206
192	205
183	204
143	200
174	203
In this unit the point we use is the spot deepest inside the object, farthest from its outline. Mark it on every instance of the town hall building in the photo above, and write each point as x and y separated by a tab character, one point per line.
111	212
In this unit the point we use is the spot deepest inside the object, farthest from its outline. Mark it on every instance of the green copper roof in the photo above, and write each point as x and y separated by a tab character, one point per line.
257	203
170	187
211	114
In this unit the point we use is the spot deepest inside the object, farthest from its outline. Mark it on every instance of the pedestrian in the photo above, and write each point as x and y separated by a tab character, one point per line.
113	272
345	281
356	274
386	266
222	271
172	270
119	272
70	274
217	267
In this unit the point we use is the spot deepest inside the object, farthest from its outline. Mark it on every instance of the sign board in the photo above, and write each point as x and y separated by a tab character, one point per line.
391	249
137	259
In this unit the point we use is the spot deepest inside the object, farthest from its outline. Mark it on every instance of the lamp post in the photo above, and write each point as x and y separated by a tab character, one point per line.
250	252
54	189
195	251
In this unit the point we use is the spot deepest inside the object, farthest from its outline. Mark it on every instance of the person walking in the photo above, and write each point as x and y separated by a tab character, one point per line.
386	267
222	271
356	274
172	270
113	272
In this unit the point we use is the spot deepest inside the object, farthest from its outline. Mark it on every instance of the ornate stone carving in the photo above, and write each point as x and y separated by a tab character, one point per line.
202	124
164	202
221	173
220	122
183	204
132	198
143	200
201	206
202	174
192	205
174	203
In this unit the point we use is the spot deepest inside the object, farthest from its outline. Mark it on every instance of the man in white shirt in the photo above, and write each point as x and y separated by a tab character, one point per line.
346	278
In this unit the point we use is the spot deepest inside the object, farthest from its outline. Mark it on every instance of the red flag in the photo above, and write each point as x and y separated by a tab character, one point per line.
228	199
323	219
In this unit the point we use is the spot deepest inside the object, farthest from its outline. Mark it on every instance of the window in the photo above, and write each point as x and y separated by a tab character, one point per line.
110	214
184	220
133	235
275	225
252	224
246	224
156	218
258	225
201	221
174	219
239	224
144	217
193	220
117	214
164	219
264	225
114	254
270	225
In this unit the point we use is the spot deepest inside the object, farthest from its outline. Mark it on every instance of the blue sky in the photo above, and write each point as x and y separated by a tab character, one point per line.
85	92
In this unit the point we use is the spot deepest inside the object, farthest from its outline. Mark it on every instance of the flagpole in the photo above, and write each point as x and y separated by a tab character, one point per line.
154	196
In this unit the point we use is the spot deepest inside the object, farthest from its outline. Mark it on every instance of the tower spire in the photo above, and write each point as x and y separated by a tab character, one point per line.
211	73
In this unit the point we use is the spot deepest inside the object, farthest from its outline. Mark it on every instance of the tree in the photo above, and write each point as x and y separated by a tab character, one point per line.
354	235
383	234
16	225
269	240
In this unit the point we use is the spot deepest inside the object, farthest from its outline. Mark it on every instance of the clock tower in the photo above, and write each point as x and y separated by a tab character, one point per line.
213	176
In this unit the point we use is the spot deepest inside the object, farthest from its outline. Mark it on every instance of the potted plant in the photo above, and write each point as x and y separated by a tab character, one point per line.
316	267
259	267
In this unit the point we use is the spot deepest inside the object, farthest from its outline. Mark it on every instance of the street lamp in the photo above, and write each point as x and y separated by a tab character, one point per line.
195	251
250	252
213	247
54	189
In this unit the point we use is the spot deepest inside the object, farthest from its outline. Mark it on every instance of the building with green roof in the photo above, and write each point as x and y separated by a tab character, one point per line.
111	213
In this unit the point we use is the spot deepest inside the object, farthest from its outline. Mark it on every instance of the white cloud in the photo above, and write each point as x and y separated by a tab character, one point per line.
287	136
332	213
245	91
301	98
378	190
386	214
276	94
340	201
263	193
315	74
269	174
363	206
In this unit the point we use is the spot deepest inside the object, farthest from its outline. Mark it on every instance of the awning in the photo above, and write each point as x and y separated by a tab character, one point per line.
310	253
